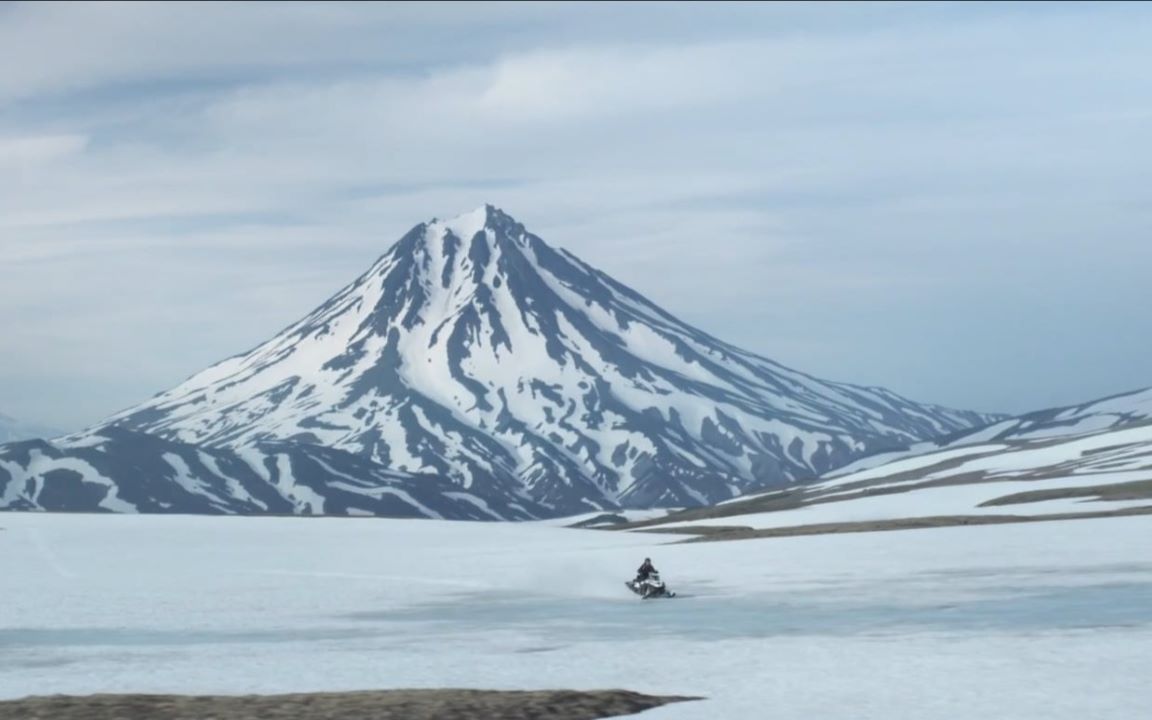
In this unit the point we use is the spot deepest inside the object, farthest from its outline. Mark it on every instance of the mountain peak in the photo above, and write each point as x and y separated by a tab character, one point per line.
474	351
487	225
466	225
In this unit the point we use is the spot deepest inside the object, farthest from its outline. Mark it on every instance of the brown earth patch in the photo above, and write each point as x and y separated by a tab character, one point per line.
768	502
447	704
806	495
1115	492
710	533
792	499
799	497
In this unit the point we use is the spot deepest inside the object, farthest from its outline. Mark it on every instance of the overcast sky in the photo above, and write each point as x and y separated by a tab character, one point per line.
949	200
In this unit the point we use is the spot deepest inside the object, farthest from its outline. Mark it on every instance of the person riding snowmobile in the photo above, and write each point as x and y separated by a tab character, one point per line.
647	583
645	570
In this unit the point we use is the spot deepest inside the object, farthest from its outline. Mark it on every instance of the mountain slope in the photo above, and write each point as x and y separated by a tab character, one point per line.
1091	459
1107	413
117	470
1112	412
474	350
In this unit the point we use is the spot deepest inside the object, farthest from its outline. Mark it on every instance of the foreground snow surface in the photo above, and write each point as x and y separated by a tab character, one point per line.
1049	620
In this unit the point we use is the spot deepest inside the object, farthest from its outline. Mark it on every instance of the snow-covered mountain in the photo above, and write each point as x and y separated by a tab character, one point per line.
1088	460
118	470
12	430
1112	412
474	350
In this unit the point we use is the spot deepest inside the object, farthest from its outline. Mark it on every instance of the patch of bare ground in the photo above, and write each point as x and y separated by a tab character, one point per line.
769	502
792	499
706	533
446	704
808	496
1115	492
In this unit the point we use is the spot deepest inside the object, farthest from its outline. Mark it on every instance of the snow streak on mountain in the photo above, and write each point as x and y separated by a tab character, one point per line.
117	470
474	351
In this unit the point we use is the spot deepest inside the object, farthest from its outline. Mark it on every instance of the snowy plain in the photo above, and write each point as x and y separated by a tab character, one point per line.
1048	620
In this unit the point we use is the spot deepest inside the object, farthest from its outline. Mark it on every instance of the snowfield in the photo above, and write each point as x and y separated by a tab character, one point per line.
1108	471
1049	620
946	500
1093	418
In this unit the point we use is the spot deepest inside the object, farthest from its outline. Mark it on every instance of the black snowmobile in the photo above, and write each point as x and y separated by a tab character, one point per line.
650	587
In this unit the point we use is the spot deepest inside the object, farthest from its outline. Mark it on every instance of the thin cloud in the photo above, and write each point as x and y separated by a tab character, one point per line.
861	191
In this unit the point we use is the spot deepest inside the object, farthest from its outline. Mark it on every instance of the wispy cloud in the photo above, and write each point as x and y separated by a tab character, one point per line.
18	153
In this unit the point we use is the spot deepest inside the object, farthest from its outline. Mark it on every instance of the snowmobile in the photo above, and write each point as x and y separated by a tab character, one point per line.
650	587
